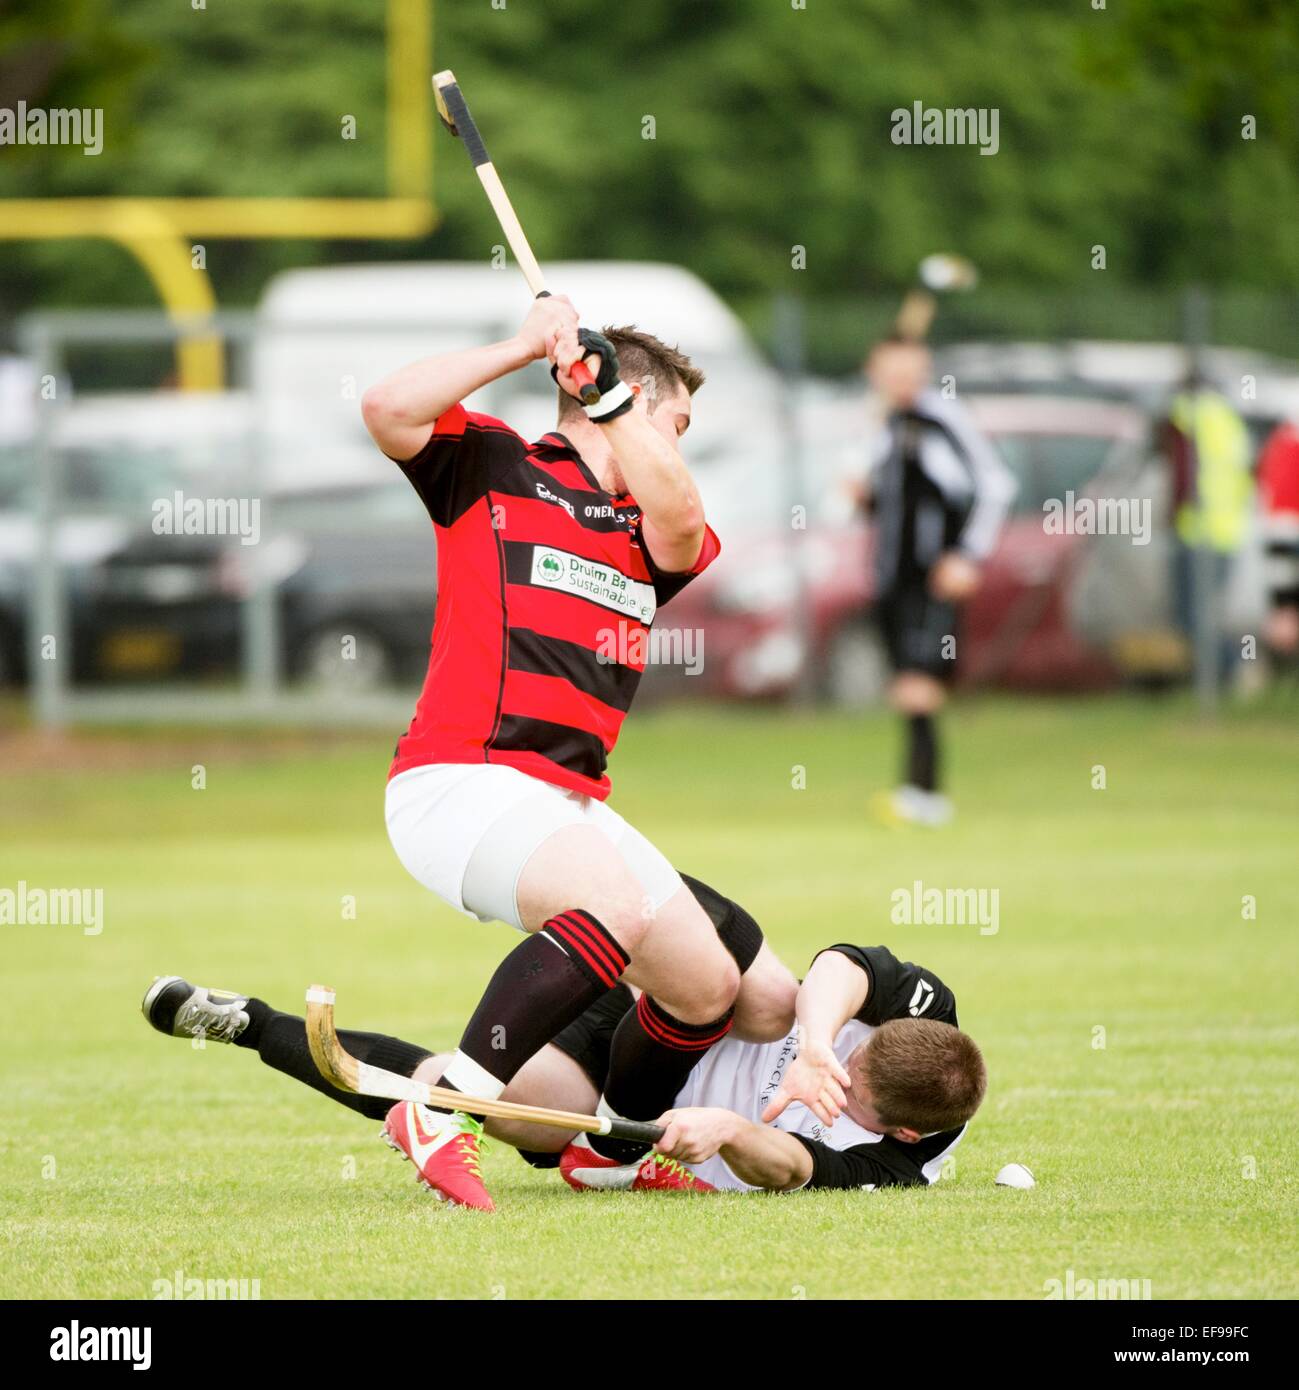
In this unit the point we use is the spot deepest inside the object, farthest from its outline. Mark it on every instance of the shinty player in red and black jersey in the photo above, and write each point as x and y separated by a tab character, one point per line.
553	558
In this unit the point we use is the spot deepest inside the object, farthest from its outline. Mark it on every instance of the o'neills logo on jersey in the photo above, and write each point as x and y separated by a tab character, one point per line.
589	579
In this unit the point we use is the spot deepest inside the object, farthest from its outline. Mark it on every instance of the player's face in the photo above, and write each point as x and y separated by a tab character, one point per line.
857	1104
899	372
859	1107
671	415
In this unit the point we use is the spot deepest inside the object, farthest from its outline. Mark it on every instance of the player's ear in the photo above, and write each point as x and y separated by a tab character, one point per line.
906	1136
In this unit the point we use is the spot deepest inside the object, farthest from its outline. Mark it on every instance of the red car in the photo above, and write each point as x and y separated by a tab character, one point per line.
769	631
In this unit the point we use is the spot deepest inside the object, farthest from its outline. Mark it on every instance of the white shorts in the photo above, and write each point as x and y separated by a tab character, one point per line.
466	830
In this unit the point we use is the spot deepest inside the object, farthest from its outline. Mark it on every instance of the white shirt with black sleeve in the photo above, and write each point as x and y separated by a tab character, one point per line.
743	1077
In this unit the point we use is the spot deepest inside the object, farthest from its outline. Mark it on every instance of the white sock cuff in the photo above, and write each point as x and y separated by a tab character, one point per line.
470	1079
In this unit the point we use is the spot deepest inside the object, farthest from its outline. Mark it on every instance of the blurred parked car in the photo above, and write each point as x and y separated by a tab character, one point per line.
762	622
352	561
355	573
368	573
117	456
82	540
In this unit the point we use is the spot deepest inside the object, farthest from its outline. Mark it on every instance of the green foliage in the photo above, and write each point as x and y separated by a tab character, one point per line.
1119	127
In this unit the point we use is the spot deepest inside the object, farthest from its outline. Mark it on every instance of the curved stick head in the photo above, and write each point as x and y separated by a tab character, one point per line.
331	1061
441	80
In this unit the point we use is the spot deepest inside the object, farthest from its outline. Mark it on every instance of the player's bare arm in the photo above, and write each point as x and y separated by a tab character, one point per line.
647	462
834	991
760	1156
673	523
400	411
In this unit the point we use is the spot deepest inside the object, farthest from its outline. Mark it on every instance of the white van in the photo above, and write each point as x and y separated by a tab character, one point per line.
325	335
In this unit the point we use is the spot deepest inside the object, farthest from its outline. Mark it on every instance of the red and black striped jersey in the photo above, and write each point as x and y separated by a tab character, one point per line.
546	593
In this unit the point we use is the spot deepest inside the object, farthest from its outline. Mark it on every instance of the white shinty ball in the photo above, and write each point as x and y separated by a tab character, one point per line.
1015	1175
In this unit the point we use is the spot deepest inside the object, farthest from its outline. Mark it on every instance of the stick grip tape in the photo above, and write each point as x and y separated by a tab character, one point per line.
464	124
635	1130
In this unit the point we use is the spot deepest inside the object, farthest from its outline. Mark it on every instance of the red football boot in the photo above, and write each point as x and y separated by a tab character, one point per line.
587	1171
657	1172
445	1150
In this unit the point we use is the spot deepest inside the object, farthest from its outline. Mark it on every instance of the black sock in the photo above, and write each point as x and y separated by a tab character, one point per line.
536	992
281	1042
650	1058
922	752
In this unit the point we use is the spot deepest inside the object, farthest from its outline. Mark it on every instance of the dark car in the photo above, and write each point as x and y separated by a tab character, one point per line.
357	612
351	566
354	573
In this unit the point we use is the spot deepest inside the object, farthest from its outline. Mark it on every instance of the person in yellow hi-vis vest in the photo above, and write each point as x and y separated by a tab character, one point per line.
1208	450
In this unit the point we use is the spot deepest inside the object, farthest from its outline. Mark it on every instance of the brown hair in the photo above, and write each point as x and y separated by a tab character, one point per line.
641	356
920	1074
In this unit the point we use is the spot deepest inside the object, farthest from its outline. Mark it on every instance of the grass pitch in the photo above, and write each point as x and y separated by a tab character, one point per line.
1138	1015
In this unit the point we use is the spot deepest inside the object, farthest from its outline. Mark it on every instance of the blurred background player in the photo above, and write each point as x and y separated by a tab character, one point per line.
1207	451
938	494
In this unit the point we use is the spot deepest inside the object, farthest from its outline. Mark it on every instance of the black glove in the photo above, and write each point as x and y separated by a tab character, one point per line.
615	395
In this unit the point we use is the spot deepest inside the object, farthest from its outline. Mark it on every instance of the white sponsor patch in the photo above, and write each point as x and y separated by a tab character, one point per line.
589	579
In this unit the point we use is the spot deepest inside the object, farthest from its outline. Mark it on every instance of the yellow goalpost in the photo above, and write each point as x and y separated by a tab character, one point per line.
156	230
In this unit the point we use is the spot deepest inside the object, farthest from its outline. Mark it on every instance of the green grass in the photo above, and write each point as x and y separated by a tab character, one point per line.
124	1157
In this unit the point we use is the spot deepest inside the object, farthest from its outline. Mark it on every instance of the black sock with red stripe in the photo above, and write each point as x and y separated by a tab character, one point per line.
536	992
650	1058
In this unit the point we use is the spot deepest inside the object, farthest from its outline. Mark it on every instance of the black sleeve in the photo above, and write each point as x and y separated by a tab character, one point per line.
899	989
454	468
885	1164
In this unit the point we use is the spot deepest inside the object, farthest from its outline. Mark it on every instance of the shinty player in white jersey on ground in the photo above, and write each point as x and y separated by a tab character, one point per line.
872	1087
